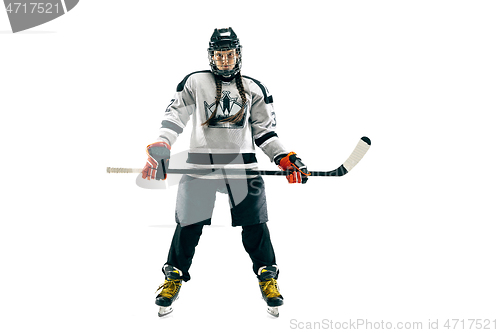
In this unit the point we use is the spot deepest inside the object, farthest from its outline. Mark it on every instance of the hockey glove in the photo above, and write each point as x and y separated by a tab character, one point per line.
158	156
292	162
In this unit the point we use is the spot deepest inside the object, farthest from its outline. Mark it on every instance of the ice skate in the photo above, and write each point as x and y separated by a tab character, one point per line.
269	289
169	290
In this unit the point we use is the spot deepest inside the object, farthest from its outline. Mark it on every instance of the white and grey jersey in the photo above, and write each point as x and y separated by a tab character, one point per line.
220	144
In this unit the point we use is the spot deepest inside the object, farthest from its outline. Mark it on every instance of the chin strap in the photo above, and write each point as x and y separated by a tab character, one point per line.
226	78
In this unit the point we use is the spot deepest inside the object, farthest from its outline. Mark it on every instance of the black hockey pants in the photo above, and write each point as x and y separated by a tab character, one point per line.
256	241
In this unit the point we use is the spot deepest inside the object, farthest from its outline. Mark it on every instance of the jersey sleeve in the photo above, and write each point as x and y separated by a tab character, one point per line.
178	112
263	122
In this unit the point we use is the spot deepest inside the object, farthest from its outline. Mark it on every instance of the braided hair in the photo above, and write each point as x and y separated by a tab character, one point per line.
218	95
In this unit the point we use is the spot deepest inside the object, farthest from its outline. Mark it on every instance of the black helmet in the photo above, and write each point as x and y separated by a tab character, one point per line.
224	40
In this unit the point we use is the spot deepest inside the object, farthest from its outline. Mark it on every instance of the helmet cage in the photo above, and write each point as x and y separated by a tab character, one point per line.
224	40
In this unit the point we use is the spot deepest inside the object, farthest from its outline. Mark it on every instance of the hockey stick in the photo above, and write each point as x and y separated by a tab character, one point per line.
356	156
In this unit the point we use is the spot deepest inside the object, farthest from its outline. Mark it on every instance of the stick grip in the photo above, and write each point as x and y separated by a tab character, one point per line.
123	170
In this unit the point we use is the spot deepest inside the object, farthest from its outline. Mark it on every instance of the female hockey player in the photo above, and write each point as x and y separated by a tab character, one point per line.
231	114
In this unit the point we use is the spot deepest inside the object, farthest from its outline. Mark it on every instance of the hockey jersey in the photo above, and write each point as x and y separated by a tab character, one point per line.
222	144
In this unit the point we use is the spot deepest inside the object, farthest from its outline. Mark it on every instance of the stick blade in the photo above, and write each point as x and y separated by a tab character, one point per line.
358	153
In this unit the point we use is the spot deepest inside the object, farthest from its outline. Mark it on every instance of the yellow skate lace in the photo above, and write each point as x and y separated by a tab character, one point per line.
170	287
270	288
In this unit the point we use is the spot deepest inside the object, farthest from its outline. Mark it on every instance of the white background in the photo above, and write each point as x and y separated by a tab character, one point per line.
411	234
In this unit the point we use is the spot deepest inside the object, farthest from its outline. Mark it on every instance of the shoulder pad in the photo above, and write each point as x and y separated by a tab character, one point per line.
181	84
267	99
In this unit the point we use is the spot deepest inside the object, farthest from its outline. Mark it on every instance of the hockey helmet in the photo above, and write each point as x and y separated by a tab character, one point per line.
224	40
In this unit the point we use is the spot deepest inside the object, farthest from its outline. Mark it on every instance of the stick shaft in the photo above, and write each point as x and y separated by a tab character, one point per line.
250	172
356	156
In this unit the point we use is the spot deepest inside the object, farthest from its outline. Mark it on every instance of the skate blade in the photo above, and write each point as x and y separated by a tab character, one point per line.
164	310
273	311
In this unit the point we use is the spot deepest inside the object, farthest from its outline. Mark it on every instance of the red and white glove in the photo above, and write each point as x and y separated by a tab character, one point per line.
157	164
292	162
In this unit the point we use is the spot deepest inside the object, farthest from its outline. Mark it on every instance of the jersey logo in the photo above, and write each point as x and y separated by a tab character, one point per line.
228	106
